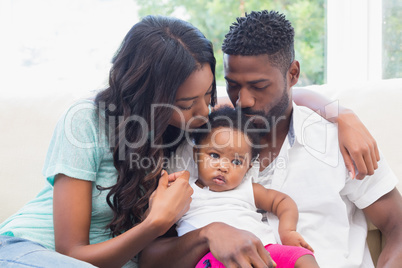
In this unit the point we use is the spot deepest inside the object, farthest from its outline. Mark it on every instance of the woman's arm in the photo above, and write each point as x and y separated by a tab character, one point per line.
285	209
355	141
231	246
72	218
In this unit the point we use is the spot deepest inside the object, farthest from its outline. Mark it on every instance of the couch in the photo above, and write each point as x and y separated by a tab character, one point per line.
27	125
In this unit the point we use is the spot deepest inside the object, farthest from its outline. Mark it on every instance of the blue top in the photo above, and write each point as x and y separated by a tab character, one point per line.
79	149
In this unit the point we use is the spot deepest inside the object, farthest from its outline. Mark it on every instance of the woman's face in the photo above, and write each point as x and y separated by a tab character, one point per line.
192	99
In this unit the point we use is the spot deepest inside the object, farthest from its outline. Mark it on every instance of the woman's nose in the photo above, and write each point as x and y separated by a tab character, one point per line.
203	109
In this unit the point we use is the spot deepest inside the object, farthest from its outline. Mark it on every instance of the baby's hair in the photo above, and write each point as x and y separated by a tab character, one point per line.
231	118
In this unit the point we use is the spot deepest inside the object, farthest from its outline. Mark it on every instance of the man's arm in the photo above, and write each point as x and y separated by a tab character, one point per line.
231	246
386	215
358	147
356	143
171	251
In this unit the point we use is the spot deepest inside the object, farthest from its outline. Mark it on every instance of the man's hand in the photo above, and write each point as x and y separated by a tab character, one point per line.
359	149
236	248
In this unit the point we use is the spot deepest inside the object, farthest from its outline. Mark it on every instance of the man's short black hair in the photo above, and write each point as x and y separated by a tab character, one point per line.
262	32
231	118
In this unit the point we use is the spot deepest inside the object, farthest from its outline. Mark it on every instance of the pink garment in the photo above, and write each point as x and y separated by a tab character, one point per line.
284	256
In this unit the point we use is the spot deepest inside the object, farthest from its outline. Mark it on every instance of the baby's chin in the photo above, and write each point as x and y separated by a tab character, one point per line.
214	187
219	188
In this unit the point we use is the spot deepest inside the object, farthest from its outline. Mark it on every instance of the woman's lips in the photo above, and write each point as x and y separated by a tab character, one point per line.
219	180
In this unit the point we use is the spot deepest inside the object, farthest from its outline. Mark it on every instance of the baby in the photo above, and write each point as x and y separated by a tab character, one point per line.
224	191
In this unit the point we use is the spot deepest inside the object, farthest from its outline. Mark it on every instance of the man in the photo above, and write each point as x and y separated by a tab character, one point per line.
300	154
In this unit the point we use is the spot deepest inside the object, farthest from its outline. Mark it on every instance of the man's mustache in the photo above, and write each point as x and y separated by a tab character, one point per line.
249	111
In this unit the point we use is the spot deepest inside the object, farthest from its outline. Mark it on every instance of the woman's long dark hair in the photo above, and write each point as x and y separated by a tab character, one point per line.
157	55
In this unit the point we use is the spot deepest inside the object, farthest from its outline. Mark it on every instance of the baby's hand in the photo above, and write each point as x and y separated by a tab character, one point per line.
293	238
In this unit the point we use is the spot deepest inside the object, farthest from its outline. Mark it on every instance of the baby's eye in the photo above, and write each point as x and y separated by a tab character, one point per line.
237	162
214	155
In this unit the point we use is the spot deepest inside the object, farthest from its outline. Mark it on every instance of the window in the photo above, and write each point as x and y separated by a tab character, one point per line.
364	40
391	39
213	18
67	45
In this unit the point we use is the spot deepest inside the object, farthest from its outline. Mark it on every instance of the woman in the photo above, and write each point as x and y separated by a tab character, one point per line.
107	196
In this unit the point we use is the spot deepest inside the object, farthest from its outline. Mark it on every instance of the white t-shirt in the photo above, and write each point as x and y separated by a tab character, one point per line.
310	169
235	208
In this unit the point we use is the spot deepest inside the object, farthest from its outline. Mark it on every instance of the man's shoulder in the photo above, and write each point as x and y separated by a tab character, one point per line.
305	115
311	127
318	137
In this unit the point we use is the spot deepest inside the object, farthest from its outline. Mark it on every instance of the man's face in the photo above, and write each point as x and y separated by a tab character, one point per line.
257	87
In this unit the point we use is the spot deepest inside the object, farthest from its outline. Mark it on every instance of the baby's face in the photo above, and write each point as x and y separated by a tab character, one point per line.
223	159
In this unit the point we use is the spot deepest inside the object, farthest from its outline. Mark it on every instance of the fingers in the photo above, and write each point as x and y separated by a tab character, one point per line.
306	245
164	179
375	156
174	176
365	162
348	162
265	256
184	174
365	165
360	166
251	261
241	262
376	152
358	145
257	257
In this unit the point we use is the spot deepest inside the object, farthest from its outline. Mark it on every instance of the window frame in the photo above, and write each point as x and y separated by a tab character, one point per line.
354	41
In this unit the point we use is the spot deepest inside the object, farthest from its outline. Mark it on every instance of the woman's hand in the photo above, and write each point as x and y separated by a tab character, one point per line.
293	238
358	147
170	200
236	248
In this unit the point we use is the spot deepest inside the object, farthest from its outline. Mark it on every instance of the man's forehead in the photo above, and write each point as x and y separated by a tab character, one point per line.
239	63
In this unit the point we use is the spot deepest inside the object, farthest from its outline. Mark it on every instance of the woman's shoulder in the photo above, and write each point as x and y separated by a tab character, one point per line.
82	112
80	122
82	107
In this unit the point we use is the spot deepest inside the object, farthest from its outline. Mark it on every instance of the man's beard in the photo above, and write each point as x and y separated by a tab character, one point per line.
266	121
